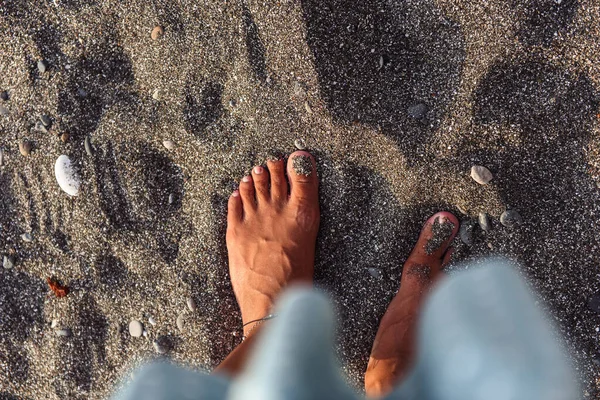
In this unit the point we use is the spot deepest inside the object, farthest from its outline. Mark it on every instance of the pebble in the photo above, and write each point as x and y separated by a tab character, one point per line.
42	66
145	333
3	111
65	137
25	147
8	262
169	144
191	304
54	323
27	237
157	32
82	93
152	321
417	111
300	144
484	222
466	232
375	273
66	176
511	218
63	332
156	95
1	157
180	321
232	103
89	149
481	174
171	198
161	345
4	95
46	120
136	328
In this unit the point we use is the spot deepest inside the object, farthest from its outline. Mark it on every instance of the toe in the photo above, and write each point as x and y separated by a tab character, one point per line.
279	186
261	183
436	236
304	184
247	193
235	209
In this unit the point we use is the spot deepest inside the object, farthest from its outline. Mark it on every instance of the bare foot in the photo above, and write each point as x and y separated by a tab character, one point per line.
271	233
393	350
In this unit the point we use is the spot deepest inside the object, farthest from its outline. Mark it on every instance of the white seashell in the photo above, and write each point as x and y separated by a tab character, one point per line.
67	177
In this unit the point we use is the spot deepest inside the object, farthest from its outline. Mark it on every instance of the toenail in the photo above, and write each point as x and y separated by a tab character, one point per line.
246	179
258	170
235	193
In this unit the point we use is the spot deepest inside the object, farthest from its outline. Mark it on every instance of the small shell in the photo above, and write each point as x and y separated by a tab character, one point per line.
66	176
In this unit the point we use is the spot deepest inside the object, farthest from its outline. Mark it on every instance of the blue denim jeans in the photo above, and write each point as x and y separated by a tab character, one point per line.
480	336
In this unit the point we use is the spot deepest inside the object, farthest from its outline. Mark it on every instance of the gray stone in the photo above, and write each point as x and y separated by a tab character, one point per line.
161	345
41	127
481	174
8	262
300	144
511	218
484	222
3	111
1	157
466	232
82	92
171	198
63	332
375	273
180	322
27	237
4	95
152	321
136	329
42	66
89	149
191	304
46	120
417	111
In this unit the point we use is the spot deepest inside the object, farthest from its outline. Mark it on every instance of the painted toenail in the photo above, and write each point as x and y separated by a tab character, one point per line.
258	170
235	193
246	179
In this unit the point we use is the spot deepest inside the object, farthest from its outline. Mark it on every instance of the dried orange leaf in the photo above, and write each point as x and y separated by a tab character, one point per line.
57	288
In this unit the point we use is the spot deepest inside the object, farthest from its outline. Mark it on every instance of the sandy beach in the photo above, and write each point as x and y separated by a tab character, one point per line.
397	100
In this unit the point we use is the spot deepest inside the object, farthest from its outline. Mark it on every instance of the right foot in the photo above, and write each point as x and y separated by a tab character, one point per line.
394	346
271	233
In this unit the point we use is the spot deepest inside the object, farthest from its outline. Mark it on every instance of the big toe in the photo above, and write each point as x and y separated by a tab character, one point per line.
302	174
436	235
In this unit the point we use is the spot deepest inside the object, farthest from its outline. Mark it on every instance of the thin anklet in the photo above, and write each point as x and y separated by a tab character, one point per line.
258	322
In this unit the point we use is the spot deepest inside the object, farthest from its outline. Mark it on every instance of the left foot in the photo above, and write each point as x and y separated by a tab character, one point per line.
394	346
271	233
